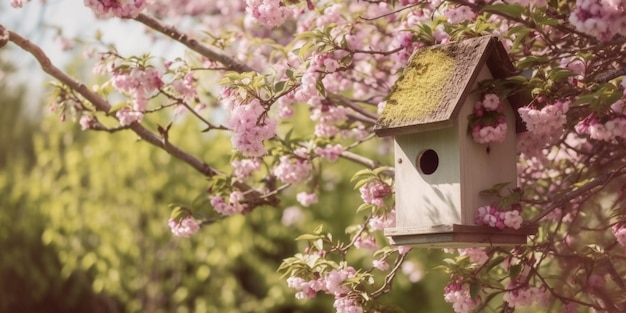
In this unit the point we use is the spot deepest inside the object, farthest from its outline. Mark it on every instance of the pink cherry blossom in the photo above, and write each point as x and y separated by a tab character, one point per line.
127	116
458	294
18	3
366	242
85	122
185	227
243	168
330	152
306	199
233	206
380	264
375	192
524	295
116	8
347	305
292	170
251	127
269	12
476	255
620	234
413	271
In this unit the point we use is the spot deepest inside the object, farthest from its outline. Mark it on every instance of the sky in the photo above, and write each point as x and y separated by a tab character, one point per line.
40	22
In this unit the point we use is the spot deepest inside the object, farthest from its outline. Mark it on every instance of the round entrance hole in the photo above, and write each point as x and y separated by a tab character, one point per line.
428	161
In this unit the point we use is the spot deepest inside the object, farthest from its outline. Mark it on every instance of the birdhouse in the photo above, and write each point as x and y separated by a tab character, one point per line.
440	169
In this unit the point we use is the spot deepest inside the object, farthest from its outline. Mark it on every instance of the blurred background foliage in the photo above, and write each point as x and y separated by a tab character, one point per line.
84	217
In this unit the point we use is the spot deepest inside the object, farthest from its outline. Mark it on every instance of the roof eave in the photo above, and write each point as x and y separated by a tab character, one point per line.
411	129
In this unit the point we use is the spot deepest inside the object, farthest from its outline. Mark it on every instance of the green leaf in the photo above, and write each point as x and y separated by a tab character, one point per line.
495	190
596	249
532	61
117	107
442	268
279	86
557	74
518	79
318	229
379	170
474	289
363	207
308	237
319	85
179	212
515	270
359	174
493	263
363	182
512	10
544	19
288	135
319	244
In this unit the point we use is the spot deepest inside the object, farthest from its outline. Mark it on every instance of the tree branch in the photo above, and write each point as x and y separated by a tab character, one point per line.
611	75
559	200
193	44
102	105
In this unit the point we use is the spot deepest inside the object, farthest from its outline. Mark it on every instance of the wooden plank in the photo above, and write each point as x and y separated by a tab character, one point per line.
458	228
458	236
421	199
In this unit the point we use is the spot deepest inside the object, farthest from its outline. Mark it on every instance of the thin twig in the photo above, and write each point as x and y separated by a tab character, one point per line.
193	44
558	201
386	287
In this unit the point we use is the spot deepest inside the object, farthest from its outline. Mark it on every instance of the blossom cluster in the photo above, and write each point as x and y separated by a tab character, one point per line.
609	127
524	295
117	8
328	116
306	199
139	84
330	152
380	222
375	192
251	126
459	14
600	19
476	255
545	126
185	87
292	170
492	217
366	241
487	121
184	227
234	205
269	12
243	169
458	294
333	283
18	3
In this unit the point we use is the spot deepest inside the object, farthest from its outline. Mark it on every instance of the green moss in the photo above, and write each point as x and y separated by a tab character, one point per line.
419	90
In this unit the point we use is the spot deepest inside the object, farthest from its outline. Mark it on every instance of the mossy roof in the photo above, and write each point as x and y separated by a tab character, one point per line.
435	83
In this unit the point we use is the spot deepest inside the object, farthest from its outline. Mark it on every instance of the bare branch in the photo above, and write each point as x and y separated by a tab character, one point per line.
193	44
370	117
365	161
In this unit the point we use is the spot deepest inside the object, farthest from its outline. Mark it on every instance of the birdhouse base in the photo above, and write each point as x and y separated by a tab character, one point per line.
458	236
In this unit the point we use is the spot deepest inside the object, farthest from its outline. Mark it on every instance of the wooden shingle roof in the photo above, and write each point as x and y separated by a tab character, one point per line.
437	80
